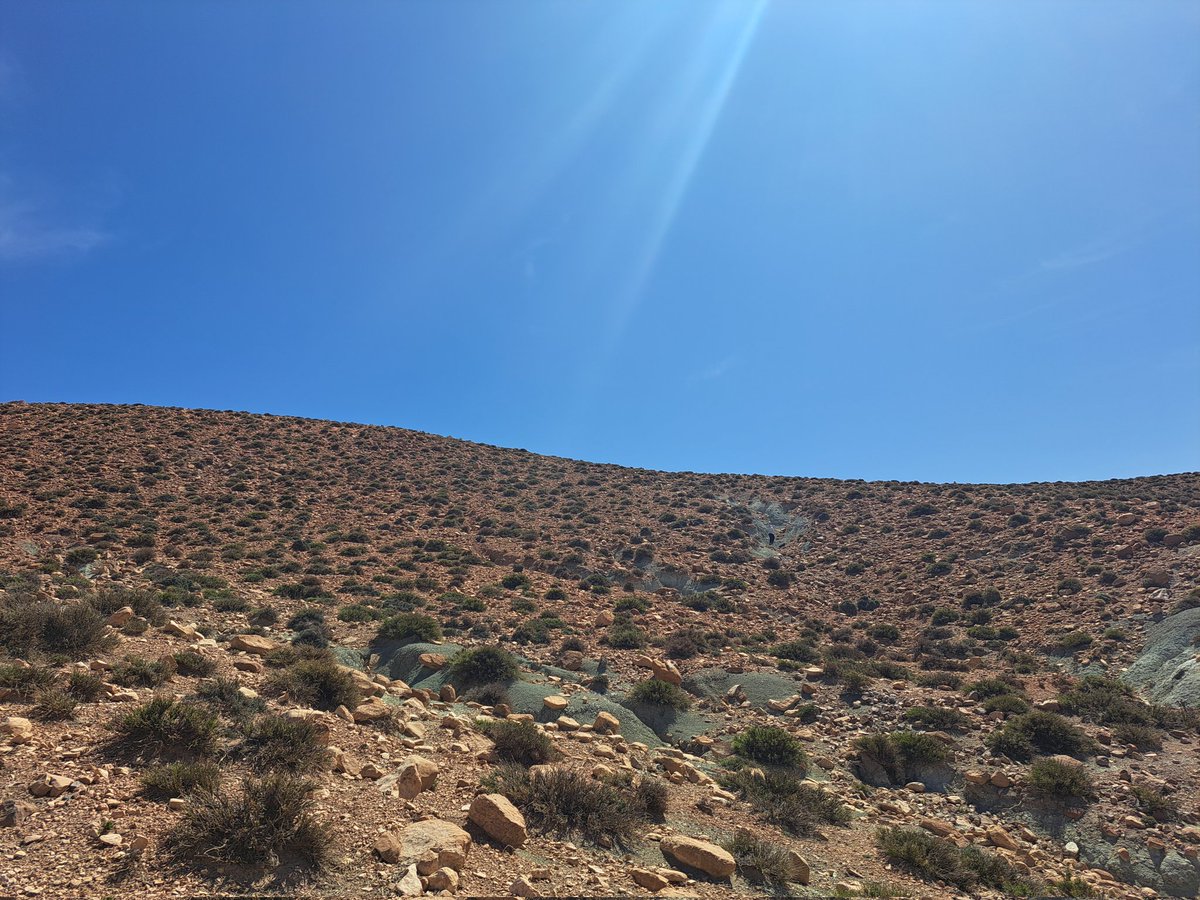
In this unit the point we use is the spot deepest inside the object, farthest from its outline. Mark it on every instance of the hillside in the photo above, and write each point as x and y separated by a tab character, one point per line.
940	660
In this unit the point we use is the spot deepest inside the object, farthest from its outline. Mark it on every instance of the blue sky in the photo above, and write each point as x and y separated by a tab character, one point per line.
902	240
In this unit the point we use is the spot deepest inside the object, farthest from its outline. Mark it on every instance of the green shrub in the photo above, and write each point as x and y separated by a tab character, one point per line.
986	688
409	627
795	651
760	861
783	799
519	742
138	671
225	694
84	686
1155	803
484	665
268	822
569	801
1038	732
25	681
163	725
938	717
934	859
1009	704
53	705
178	779
280	743
902	756
1106	702
1054	780
189	662
771	746
146	604
656	692
319	683
1071	641
624	635
357	612
1144	737
74	631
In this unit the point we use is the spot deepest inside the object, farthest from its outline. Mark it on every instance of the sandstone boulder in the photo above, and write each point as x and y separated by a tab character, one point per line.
700	855
498	818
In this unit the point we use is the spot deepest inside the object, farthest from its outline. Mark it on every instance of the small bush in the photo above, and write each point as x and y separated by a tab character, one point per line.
624	635
902	756
484	665
1036	732
934	859
319	683
761	861
1009	704
178	779
795	651
941	718
357	612
1155	803
488	694
772	747
74	631
189	662
1071	642
138	671
656	692
164	725
25	681
991	687
225	694
1144	737
280	743
84	686
1054	780
566	801
53	705
784	800
519	742
269	821
409	627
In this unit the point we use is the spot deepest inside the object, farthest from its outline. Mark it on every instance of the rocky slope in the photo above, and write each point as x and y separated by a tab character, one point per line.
216	622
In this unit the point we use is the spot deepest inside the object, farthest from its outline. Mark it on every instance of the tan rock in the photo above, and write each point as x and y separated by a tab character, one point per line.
16	730
606	723
372	710
120	617
444	879
522	887
604	618
499	819
254	644
697	854
648	879
998	837
433	844
447	693
434	661
572	660
14	812
416	774
180	630
50	785
555	703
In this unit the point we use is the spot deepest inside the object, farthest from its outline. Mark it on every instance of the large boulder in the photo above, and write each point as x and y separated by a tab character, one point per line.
700	855
499	819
